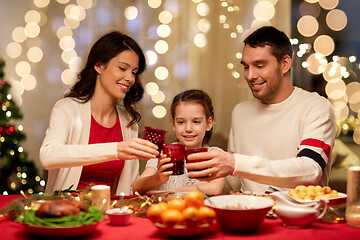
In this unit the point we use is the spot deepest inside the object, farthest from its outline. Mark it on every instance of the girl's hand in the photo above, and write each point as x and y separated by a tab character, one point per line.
163	165
136	148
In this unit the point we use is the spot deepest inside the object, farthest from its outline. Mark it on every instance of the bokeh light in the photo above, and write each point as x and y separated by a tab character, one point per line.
35	54
328	4
332	70
163	30
67	55
324	44
13	49
159	111
32	16
307	26
151	88
154	3
316	63
22	68
41	3
161	73
151	57
203	9
200	40
68	77
19	35
86	4
67	43
336	20
158	97
29	82
335	88
131	13
165	17
204	25
264	9
161	47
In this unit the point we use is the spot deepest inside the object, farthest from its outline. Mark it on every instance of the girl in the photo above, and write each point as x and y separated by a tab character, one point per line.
94	128
192	119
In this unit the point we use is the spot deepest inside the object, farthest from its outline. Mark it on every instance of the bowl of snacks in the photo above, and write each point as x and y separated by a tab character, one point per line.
240	213
313	193
180	217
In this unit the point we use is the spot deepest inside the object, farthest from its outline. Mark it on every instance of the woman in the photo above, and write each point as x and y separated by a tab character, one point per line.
92	135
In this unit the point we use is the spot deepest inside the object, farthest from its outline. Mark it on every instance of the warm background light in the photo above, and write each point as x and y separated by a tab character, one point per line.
307	26
324	44
328	4
336	20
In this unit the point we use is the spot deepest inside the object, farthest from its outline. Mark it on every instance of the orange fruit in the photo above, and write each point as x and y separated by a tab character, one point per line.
154	211
206	215
177	203
191	216
194	199
172	217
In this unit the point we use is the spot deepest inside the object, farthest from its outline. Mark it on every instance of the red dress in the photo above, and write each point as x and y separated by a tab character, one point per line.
102	173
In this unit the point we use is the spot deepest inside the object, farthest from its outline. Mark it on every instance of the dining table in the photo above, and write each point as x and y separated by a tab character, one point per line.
143	228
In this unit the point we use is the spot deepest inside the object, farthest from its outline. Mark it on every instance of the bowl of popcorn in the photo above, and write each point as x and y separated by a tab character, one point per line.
312	193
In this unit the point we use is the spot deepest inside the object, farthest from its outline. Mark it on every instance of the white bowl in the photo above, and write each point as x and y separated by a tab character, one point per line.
247	219
119	217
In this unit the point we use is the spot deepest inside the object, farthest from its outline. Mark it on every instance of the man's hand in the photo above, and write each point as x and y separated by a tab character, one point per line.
214	164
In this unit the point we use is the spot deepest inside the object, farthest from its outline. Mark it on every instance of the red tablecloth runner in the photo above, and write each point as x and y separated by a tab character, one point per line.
142	228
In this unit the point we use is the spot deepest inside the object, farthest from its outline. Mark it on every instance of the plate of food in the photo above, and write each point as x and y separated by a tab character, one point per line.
61	218
313	193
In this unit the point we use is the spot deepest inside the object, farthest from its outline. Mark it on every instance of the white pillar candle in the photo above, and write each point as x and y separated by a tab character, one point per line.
100	197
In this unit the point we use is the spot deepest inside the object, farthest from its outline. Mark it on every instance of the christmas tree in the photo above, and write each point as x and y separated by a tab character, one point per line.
16	171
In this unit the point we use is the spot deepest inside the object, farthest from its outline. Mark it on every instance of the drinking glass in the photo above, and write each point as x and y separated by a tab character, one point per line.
353	197
156	136
177	154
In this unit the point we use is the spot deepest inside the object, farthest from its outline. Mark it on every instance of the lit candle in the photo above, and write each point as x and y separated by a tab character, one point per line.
100	197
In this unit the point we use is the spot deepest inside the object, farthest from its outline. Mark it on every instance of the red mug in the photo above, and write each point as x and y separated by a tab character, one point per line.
177	154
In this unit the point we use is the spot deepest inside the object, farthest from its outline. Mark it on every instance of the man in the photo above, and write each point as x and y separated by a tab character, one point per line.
284	136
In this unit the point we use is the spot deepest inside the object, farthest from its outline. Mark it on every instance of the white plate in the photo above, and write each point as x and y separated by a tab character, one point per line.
61	231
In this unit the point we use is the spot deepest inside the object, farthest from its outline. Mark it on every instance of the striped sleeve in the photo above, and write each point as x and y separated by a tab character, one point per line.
315	149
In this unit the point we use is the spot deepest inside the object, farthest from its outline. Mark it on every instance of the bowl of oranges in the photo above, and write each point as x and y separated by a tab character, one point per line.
183	216
240	213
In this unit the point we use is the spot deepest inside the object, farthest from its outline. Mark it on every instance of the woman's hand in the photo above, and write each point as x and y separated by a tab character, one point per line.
163	168
136	148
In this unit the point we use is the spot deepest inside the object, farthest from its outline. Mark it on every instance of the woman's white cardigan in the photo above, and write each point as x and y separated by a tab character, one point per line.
65	148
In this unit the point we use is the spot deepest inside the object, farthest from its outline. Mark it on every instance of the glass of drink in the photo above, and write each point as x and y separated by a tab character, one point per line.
156	136
353	197
191	151
177	154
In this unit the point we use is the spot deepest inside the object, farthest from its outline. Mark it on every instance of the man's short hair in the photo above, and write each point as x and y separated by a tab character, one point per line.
268	35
